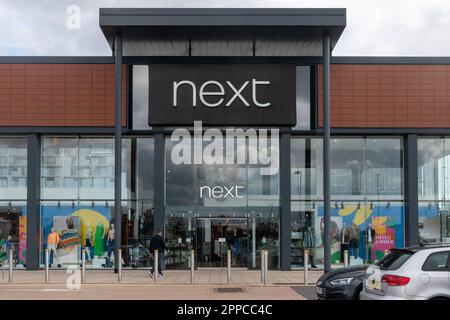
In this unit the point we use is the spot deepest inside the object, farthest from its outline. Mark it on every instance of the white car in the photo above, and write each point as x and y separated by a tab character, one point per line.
417	273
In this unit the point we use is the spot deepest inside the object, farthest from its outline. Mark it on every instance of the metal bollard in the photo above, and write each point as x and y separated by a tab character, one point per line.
266	266
192	266
345	258
10	260
119	265
83	266
229	266
305	267
263	268
47	261
156	267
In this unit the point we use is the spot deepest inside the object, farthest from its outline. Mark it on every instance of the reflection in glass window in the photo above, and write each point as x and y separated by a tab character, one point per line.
13	168
434	189
77	179
367	214
303	101
77	168
206	212
13	224
184	183
13	195
140	97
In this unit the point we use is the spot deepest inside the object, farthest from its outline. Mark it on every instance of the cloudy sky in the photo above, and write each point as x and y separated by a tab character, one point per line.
374	27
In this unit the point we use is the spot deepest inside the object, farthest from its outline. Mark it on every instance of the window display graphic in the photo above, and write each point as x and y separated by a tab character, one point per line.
22	240
77	228
367	230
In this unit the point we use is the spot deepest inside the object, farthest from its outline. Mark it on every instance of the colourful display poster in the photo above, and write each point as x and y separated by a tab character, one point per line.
22	239
383	241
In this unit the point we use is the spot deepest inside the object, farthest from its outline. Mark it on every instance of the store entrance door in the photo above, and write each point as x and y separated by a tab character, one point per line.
215	236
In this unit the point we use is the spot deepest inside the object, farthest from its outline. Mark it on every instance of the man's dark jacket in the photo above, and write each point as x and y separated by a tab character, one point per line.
157	243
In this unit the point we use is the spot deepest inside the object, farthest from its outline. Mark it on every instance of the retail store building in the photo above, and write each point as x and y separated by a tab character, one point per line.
67	124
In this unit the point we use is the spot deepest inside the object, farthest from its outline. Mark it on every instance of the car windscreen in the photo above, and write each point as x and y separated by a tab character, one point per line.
394	260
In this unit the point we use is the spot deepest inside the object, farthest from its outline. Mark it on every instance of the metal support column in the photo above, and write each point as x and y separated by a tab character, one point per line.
285	202
33	196
263	267
160	180
305	267
192	266
10	265
119	266
156	266
266	267
83	266
118	152
411	192
345	258
47	262
326	150
229	266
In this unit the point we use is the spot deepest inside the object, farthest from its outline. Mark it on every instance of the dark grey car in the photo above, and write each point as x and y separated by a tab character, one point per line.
342	284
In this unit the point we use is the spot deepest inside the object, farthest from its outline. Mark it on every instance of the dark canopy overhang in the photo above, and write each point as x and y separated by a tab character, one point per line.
222	32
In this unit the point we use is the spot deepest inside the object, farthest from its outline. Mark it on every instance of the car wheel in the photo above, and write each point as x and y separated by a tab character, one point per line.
357	292
440	298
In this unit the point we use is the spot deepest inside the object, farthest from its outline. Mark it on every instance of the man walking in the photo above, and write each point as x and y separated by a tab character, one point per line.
157	243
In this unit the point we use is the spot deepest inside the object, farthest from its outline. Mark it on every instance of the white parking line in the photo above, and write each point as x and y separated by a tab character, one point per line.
46	290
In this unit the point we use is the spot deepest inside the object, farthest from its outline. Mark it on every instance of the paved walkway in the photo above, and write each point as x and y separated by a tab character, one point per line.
172	277
209	284
146	292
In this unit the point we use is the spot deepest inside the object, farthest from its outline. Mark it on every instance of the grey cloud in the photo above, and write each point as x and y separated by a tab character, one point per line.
375	27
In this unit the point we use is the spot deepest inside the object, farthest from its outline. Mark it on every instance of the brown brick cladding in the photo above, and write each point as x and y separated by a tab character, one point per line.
396	96
59	95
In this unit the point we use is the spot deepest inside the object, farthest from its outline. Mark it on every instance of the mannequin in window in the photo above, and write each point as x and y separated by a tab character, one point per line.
88	241
322	232
111	240
345	240
69	241
370	240
309	242
99	236
52	243
334	232
354	240
8	246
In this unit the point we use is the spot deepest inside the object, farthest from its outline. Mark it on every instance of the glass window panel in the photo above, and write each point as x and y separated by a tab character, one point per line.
13	222
96	162
303	98
367	213
92	179
434	189
347	165
221	222
13	168
384	167
430	154
59	163
140	97
184	183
